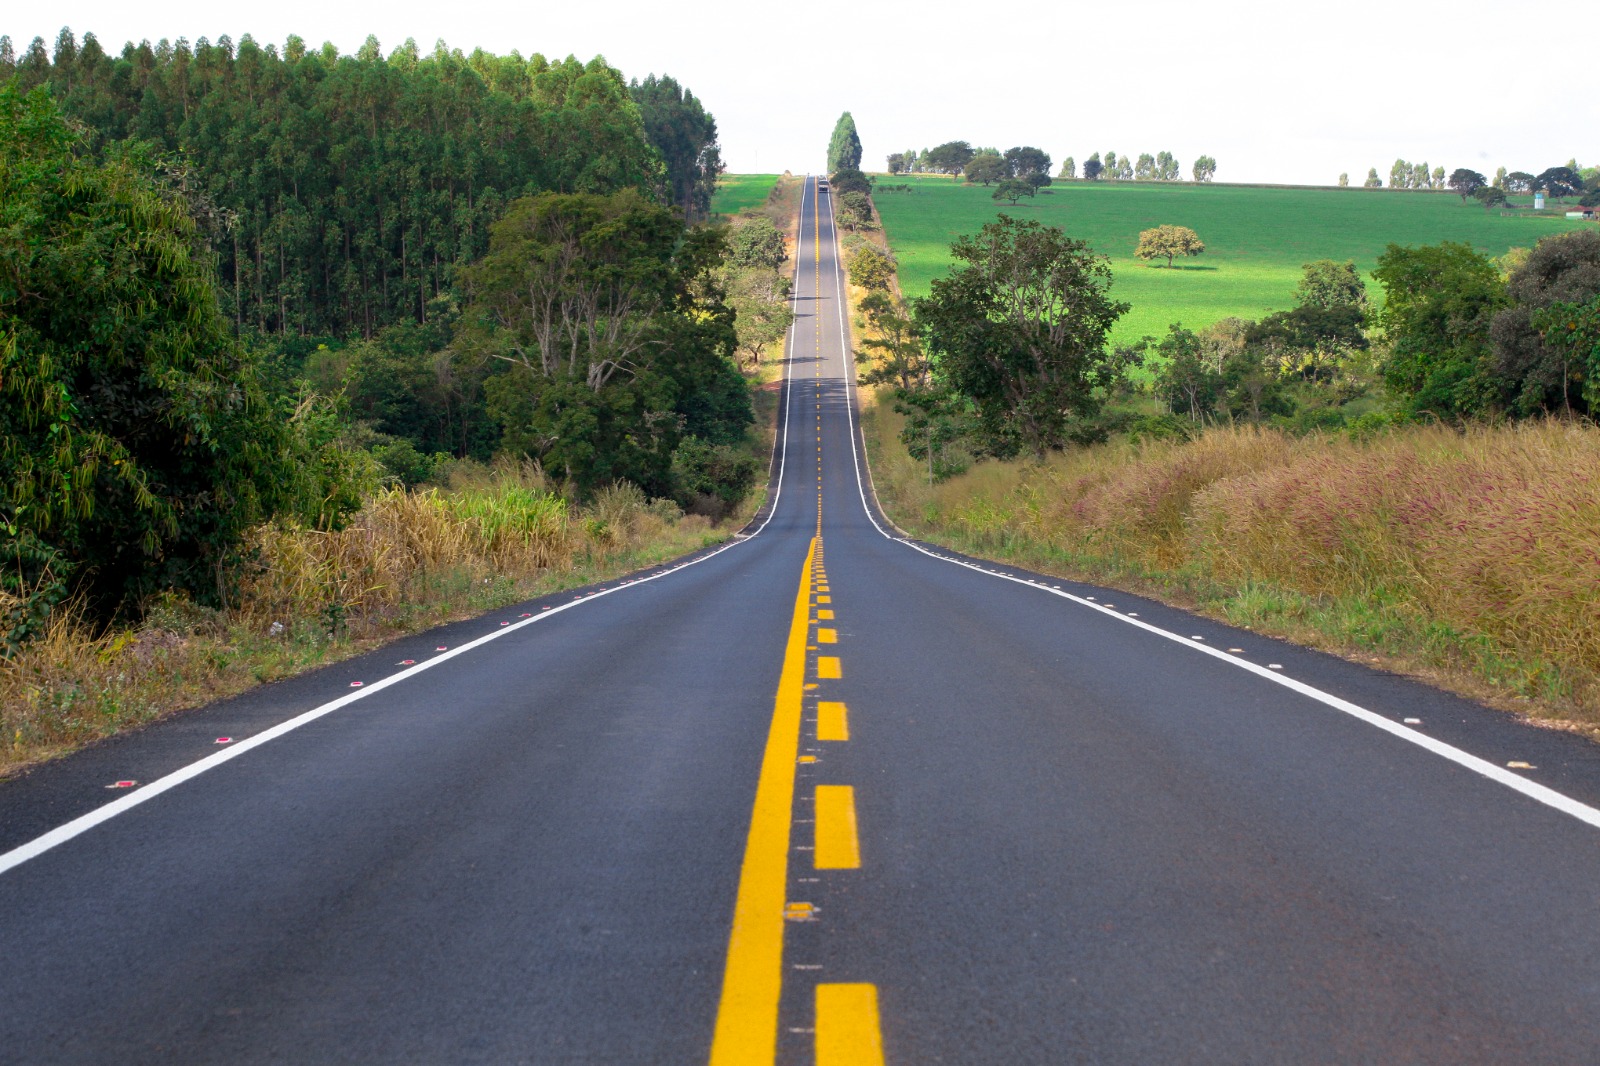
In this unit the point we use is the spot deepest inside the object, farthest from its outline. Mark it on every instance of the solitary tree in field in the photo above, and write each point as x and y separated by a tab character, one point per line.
1205	168
1168	242
1344	180
1373	181
1490	196
1466	182
1013	190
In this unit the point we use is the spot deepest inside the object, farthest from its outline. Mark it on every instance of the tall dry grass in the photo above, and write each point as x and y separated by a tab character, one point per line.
406	560
1472	551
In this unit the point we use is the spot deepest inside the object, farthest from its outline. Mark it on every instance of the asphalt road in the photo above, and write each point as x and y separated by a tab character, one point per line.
833	798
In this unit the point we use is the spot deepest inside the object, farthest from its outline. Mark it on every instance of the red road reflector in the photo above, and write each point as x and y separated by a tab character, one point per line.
123	784
224	740
407	662
357	684
440	648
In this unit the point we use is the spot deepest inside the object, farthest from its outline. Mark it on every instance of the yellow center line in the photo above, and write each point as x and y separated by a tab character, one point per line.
747	1017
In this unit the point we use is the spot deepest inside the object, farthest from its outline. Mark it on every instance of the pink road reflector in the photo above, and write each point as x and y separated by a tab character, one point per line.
123	784
357	684
224	740
441	648
408	662
525	614
505	623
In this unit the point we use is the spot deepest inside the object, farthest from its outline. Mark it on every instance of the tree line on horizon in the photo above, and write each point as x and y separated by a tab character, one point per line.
985	166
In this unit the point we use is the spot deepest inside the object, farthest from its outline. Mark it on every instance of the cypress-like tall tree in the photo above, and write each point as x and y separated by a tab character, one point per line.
844	148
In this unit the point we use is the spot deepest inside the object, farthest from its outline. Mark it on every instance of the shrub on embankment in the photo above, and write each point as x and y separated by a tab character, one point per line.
407	560
1473	552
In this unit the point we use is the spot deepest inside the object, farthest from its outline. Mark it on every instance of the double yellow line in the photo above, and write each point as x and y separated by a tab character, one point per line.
847	1031
846	1021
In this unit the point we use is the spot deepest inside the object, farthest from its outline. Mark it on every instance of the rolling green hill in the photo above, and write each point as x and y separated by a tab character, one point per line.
740	192
1257	237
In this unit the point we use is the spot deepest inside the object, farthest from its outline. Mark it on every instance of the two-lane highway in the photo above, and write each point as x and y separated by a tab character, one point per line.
821	795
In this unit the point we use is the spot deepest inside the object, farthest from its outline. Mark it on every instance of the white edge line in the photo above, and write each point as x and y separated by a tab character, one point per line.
144	793
1583	812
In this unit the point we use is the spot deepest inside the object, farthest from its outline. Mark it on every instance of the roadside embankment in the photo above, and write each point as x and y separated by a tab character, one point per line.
1471	558
407	561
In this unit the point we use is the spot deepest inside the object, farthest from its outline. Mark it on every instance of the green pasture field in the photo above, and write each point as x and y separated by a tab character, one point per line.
1257	238
741	192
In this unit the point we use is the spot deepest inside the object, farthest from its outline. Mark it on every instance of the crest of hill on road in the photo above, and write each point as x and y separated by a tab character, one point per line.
1257	238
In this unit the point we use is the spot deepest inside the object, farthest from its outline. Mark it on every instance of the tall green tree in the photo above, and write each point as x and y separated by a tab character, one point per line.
1533	375
684	134
137	443
1466	182
844	147
1438	303
1019	328
618	341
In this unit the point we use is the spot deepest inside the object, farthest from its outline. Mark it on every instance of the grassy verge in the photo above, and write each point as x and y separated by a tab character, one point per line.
1471	559
408	561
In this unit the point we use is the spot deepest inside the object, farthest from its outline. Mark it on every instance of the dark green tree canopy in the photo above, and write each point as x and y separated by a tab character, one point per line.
137	444
1466	182
342	193
950	157
1563	269
756	242
1019	327
619	342
1438	303
1028	164
1558	182
844	147
986	168
685	136
1327	283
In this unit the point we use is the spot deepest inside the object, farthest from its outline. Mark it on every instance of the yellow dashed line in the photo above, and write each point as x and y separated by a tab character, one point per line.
828	667
837	847
833	720
848	1032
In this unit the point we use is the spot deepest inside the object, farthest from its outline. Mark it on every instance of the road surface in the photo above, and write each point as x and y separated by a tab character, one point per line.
819	795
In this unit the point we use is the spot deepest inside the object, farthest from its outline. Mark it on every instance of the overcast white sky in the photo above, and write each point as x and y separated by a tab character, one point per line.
1276	92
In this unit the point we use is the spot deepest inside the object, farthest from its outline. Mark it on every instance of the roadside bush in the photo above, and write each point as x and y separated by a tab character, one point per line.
711	479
